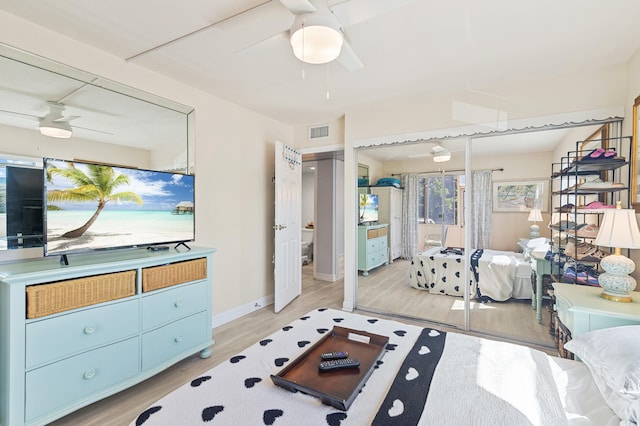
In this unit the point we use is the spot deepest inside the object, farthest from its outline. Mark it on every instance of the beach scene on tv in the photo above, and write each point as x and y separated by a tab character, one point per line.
93	206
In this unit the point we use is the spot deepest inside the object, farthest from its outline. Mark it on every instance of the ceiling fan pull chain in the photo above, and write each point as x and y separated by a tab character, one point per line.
328	95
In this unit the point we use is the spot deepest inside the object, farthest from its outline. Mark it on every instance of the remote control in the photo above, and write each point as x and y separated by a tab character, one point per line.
335	364
334	355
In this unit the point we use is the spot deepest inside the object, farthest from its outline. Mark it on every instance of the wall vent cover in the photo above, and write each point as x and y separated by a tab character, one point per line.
318	132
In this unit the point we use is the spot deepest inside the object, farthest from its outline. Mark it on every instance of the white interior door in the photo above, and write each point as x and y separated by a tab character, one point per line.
287	228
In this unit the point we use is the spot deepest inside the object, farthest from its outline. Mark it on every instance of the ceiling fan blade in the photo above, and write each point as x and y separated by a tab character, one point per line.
348	58
298	6
94	130
66	119
354	11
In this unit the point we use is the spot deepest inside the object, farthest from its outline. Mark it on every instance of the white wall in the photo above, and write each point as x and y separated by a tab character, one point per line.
308	195
234	163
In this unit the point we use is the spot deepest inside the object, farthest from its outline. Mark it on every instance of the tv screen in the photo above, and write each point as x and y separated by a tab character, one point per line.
95	207
368	208
24	207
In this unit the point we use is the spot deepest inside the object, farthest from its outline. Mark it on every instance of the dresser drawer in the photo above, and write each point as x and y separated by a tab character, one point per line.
53	338
382	245
169	305
172	339
566	317
76	378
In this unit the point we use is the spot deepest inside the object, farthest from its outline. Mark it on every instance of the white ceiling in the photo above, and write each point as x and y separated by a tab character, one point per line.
420	46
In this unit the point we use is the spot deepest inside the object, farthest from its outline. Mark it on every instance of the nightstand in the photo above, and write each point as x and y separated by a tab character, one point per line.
580	309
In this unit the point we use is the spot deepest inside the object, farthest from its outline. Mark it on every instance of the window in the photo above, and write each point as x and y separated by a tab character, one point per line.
438	199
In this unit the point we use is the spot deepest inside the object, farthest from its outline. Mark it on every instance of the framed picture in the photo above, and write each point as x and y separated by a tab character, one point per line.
520	196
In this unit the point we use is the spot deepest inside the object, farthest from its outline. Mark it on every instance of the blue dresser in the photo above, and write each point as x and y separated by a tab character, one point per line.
73	334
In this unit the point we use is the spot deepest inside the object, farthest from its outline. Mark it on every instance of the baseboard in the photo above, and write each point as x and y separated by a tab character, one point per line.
240	311
325	277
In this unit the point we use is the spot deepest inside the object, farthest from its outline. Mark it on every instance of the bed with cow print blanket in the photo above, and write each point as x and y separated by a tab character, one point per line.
494	275
426	377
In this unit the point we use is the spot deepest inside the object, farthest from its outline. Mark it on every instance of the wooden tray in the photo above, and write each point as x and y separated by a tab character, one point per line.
337	388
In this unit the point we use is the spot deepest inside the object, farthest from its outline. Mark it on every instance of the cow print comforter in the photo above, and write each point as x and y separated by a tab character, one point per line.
425	377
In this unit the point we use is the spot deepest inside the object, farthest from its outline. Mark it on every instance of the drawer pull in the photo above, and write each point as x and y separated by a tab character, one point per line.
178	339
178	303
89	374
90	329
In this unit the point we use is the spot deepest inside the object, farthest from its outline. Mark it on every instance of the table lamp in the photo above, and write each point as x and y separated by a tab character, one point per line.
534	216
619	229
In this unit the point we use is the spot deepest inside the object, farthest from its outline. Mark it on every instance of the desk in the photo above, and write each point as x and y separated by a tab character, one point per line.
542	267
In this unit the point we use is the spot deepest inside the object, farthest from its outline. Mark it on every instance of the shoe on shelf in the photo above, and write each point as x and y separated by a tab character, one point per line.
566	208
588	231
595	205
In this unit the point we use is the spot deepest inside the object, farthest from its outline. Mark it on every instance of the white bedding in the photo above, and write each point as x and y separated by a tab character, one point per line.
477	381
504	275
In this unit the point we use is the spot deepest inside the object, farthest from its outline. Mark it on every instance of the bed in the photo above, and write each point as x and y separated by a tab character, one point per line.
426	376
496	275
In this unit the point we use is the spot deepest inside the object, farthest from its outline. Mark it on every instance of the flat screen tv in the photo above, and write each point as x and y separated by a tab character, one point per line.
368	208
90	207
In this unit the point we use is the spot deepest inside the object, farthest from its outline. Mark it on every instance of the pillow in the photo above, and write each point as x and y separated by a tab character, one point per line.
614	355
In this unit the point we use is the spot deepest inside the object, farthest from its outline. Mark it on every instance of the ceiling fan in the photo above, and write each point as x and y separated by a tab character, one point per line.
324	21
439	153
54	124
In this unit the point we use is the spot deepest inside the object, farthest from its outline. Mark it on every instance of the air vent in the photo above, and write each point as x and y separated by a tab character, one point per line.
319	132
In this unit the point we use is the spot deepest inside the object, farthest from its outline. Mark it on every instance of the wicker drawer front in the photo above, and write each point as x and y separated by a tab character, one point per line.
48	299
175	273
54	338
77	378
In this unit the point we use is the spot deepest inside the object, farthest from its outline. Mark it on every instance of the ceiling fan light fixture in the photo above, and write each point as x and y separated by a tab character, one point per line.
316	37
54	129
442	156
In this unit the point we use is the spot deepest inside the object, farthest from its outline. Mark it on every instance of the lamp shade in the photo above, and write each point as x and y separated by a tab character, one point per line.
619	229
535	216
316	37
55	129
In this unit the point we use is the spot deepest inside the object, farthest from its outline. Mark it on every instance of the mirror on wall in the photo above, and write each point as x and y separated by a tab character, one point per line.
635	191
92	119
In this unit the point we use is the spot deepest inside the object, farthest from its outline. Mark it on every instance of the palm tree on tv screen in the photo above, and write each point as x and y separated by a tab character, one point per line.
96	186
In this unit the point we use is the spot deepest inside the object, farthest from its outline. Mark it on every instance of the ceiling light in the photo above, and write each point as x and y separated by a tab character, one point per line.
442	156
316	37
55	129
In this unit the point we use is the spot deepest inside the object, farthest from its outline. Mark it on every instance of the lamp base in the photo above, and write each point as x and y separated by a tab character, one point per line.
534	231
615	281
616	298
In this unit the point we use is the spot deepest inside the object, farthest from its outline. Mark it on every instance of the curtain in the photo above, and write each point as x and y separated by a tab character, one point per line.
481	209
409	216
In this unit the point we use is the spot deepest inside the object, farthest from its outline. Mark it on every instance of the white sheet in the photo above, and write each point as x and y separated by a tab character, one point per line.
504	275
478	381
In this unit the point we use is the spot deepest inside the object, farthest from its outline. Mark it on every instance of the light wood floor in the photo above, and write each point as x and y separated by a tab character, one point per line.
383	289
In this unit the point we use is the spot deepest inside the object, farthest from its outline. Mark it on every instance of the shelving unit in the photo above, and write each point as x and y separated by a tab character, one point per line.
581	181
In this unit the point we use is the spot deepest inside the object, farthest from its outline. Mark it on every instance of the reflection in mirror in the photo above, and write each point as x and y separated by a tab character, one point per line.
21	183
108	123
634	164
363	174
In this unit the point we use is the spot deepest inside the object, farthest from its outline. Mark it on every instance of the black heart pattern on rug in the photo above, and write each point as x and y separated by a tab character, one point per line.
419	273
251	381
444	279
458	274
322	330
338	320
372	320
200	380
265	342
442	291
303	343
431	258
433	285
391	347
280	361
287	328
269	417
378	364
236	359
334	419
459	260
146	414
433	270
322	309
457	288
400	333
210	412
305	318
444	265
